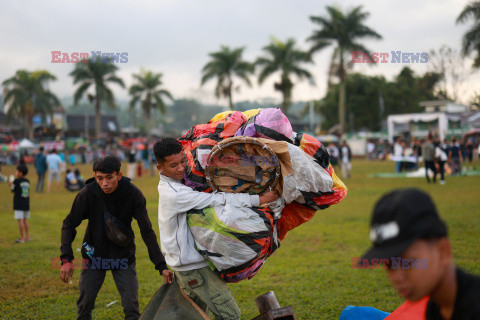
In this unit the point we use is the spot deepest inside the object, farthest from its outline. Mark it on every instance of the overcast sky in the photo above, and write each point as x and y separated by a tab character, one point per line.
174	37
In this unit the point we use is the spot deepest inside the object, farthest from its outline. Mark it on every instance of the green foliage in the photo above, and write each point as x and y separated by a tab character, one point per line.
285	58
342	30
27	95
224	66
471	39
372	99
97	75
311	271
146	90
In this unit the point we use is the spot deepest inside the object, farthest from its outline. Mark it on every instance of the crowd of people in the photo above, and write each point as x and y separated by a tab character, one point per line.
51	165
381	149
438	156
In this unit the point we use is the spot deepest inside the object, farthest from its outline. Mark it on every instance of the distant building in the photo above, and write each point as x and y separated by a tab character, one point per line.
76	125
12	126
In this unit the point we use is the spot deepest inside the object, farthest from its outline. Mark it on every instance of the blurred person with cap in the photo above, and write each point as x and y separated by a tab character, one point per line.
406	226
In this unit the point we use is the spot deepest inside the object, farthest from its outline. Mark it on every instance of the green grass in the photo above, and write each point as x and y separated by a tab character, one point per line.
311	271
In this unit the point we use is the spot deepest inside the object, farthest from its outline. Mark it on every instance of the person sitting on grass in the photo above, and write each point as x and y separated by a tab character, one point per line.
71	182
194	276
80	180
407	232
21	202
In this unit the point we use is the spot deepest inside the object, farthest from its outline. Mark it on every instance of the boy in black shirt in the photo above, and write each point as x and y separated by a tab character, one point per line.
107	199
21	202
408	234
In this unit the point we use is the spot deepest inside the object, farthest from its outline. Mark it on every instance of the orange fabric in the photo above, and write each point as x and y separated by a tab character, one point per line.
309	144
410	310
293	215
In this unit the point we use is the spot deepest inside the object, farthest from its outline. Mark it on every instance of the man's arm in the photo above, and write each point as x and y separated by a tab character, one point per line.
149	237
12	185
187	199
78	212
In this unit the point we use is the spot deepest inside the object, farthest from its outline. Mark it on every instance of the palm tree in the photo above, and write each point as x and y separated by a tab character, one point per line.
343	30
225	65
471	39
283	57
27	95
96	74
146	90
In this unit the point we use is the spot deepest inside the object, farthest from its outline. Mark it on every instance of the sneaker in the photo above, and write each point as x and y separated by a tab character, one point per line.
443	182
19	241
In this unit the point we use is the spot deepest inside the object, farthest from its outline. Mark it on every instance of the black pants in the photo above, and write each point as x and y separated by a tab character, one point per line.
430	165
40	182
441	165
91	281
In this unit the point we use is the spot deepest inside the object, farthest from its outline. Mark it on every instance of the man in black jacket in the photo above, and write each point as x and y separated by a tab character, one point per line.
408	234
109	192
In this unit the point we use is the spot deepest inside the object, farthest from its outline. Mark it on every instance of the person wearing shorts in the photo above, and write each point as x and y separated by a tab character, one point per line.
21	202
53	161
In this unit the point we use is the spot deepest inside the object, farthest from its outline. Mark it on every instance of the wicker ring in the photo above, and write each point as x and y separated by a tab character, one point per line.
223	145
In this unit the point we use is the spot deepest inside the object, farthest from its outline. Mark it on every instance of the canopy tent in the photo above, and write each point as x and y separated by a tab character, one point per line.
418	117
26	144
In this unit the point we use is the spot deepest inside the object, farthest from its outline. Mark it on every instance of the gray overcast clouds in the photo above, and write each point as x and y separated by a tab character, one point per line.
175	37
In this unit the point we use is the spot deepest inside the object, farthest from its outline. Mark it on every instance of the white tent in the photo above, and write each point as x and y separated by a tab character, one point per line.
417	117
26	144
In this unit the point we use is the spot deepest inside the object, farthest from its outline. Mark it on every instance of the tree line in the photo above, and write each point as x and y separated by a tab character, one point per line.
27	93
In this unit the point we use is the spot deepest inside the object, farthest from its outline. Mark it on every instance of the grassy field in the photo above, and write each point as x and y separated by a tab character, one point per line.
311	271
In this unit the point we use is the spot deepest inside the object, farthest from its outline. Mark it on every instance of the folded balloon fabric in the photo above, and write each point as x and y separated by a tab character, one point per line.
408	310
237	241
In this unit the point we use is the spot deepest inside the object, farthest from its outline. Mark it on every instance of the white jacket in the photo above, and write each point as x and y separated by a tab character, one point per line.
176	239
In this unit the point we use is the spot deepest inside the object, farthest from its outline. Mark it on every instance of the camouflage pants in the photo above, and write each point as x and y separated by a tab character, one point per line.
207	289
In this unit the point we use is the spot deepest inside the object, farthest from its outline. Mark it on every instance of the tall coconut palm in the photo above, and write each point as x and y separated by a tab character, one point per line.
285	58
471	39
147	91
98	75
27	95
343	30
224	66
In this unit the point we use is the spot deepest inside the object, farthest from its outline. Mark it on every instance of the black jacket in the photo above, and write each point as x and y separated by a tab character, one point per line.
467	304
126	202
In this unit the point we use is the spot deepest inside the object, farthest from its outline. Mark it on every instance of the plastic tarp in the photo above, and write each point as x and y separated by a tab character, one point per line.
362	313
268	123
224	234
237	241
408	310
170	302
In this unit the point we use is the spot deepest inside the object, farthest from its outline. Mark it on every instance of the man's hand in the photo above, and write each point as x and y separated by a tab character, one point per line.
167	276
66	271
269	197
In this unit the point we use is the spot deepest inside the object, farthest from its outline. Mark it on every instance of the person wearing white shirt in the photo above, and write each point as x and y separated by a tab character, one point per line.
194	276
53	162
398	153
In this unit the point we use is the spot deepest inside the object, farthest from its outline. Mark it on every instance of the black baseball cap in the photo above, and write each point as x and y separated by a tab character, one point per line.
399	218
